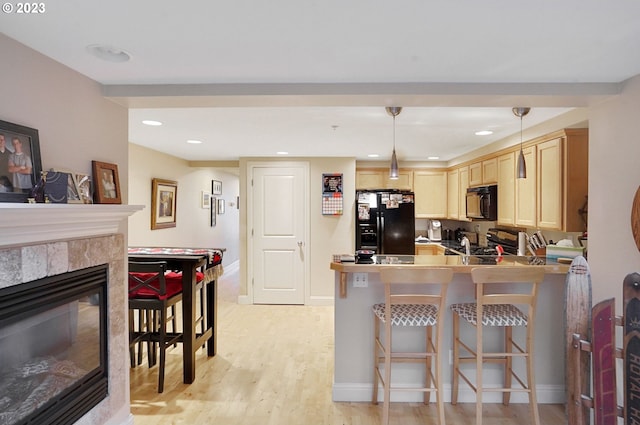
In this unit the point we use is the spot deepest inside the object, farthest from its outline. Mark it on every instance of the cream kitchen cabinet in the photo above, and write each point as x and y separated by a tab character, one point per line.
463	184
506	189
526	191
475	174
429	249
562	180
430	187
483	172
379	179
490	171
453	197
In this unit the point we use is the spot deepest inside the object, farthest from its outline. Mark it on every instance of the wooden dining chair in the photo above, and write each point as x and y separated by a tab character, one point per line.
152	294
505	298
414	297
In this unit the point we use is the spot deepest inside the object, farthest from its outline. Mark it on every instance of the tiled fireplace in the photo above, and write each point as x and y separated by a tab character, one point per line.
41	242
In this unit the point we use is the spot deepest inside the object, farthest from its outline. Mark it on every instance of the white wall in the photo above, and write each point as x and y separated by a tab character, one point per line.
614	177
193	227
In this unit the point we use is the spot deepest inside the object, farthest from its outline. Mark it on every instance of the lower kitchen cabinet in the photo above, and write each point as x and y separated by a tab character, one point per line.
429	249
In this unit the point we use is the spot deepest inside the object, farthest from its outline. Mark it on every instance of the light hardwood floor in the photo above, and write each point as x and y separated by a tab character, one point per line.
274	367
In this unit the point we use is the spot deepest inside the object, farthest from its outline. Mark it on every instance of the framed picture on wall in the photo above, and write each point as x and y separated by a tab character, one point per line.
216	187
205	200
214	203
164	196
20	162
220	206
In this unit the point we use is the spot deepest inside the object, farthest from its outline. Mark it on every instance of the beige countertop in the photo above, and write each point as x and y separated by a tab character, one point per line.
459	263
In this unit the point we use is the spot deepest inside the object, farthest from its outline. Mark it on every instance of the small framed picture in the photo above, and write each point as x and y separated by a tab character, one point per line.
107	190
164	195
83	187
205	200
214	203
216	187
220	206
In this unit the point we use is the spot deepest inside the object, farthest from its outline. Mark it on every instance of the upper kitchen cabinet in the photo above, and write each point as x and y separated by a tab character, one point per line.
453	199
526	191
506	165
490	171
379	179
475	174
483	172
463	182
430	187
562	181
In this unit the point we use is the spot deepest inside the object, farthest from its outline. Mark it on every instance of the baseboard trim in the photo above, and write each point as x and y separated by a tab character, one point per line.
547	394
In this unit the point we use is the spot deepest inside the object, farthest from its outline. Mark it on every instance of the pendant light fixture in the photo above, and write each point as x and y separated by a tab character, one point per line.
393	169
520	111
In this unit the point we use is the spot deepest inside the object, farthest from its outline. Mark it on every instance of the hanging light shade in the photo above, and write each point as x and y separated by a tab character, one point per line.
393	169
520	111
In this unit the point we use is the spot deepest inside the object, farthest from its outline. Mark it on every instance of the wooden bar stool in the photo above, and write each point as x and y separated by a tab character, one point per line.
422	305
497	301
153	291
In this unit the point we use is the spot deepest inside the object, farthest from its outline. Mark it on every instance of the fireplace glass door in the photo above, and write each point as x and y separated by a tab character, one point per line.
53	347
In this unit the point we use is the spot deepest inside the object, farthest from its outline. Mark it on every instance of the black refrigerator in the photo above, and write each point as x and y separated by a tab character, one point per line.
385	221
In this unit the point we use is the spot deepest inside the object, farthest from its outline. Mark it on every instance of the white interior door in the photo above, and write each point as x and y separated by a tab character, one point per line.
278	234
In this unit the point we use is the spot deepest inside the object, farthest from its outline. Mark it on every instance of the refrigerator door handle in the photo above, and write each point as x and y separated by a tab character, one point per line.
381	234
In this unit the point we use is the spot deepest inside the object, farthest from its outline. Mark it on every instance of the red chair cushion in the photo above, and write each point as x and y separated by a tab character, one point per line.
178	275
173	285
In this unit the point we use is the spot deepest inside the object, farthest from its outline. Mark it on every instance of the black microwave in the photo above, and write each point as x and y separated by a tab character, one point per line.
482	203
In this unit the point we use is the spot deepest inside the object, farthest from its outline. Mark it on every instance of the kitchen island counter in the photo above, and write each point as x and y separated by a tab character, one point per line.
459	264
353	327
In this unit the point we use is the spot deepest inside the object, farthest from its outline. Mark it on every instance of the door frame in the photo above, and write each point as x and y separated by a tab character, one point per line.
251	166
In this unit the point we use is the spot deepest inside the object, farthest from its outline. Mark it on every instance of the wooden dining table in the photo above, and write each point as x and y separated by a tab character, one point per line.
188	261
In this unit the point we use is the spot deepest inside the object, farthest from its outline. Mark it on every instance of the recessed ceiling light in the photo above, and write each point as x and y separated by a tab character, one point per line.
194	142
151	122
282	153
484	132
373	155
109	53
433	157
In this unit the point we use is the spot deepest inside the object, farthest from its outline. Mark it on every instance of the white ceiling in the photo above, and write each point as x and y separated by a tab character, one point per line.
252	78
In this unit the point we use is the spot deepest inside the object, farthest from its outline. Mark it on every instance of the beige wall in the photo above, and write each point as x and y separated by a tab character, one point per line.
192	222
328	234
76	125
614	177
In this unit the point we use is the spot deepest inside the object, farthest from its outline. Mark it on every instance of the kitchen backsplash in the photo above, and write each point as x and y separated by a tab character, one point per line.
481	228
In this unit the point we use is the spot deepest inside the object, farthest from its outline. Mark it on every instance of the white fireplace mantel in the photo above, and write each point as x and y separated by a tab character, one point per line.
28	223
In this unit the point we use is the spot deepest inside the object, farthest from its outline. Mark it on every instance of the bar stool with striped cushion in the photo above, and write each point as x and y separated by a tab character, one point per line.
414	297
497	306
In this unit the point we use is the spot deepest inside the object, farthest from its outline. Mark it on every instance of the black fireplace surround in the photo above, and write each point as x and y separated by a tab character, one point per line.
53	347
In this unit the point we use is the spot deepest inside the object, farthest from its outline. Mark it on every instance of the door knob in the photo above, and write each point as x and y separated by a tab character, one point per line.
300	244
